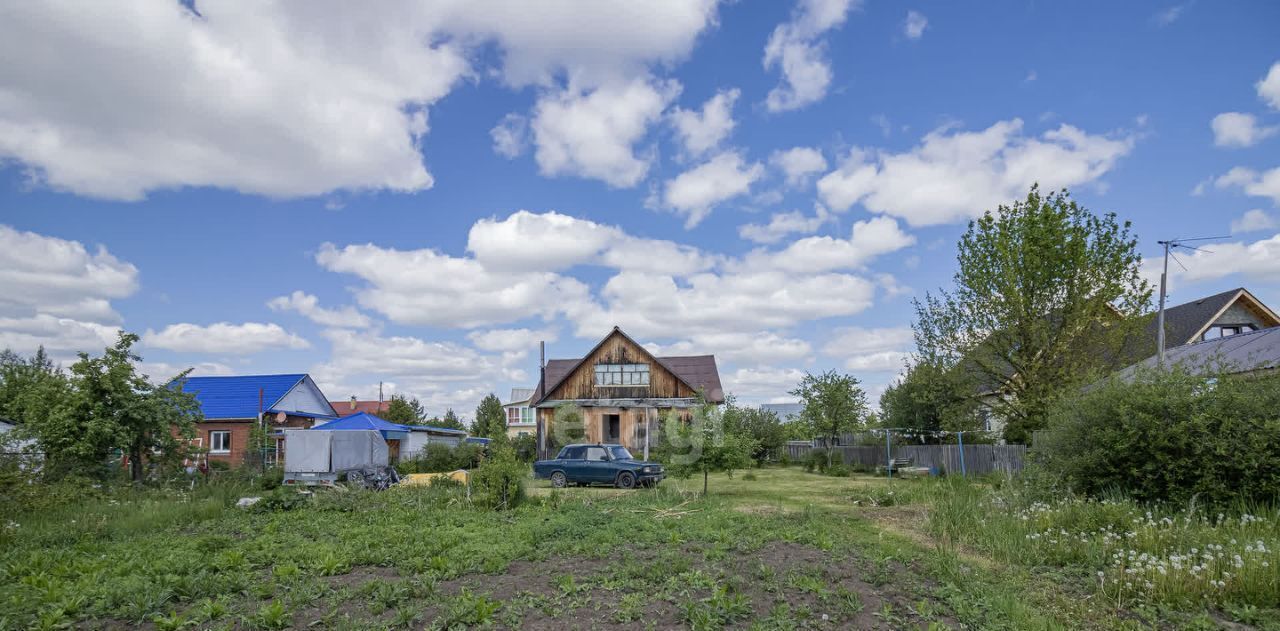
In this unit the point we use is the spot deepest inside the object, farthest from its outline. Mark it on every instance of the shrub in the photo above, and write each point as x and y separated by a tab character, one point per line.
1171	437
839	470
816	460
498	482
526	447
441	458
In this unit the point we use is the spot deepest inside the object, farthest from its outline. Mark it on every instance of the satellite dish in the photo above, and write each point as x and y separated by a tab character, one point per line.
281	417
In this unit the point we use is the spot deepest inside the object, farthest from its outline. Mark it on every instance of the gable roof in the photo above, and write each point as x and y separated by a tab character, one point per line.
1239	353
520	395
237	396
363	420
699	372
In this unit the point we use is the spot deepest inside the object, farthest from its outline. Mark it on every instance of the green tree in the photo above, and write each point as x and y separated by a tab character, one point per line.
449	421
703	444
405	410
761	426
30	388
490	420
833	404
1046	299
113	406
928	398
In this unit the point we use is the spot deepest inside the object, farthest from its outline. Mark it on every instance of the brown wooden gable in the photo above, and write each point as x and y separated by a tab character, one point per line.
618	348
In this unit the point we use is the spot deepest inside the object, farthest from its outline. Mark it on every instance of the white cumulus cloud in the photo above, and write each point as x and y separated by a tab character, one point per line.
1252	182
224	337
1234	129
702	130
309	306
592	134
296	99
695	192
798	164
955	175
1255	220
782	225
1269	87
797	47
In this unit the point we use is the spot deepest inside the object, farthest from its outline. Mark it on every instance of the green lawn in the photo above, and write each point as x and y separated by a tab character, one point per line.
784	550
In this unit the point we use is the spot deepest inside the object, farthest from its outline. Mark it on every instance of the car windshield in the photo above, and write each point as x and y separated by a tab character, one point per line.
620	453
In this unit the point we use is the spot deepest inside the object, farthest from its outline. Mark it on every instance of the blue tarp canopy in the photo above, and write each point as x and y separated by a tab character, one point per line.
364	420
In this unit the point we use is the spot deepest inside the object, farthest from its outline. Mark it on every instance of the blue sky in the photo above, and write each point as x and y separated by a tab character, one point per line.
418	193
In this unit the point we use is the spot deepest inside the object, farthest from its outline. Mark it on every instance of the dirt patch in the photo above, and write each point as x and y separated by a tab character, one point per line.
361	575
670	588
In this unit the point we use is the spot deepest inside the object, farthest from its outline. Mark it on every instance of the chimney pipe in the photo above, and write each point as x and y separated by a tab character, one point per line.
353	401
542	355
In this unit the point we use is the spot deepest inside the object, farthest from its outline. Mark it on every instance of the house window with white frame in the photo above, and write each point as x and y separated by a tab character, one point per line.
220	442
622	374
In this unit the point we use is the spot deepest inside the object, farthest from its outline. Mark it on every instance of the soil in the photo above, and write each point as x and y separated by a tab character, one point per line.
540	593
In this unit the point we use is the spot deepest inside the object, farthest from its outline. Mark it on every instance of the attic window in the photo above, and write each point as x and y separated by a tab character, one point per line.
1226	331
622	374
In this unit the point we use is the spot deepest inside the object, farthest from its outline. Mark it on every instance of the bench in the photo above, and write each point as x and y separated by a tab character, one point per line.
898	464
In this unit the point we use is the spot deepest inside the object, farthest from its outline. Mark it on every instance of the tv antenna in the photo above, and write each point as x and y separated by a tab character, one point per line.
1169	246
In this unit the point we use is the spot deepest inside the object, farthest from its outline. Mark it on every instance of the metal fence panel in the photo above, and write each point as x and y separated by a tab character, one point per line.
978	459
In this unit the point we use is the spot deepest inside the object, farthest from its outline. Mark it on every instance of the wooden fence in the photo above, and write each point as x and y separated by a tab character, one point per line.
978	459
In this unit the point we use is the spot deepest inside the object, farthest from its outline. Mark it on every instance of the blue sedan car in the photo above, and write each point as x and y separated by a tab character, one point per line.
598	464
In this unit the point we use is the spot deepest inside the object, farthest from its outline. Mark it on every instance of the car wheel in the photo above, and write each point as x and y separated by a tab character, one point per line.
626	480
558	480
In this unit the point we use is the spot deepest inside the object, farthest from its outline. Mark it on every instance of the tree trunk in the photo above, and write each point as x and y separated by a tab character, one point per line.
704	481
135	464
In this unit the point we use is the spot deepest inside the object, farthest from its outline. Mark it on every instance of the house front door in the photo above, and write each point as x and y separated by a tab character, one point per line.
612	428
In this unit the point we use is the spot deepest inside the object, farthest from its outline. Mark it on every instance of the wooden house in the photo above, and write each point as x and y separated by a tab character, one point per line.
621	390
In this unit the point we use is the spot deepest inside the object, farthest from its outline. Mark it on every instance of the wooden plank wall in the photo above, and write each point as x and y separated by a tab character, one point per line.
617	349
978	459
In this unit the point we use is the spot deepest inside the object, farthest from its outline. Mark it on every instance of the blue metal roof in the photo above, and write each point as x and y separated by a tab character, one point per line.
441	430
237	397
363	420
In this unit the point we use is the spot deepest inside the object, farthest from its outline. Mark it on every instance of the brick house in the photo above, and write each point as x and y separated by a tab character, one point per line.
233	405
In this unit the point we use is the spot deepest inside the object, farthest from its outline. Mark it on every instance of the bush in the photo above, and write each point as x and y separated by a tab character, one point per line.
839	470
526	448
498	482
816	461
441	458
1170	437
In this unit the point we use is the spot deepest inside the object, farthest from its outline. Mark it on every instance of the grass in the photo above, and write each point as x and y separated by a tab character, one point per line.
785	550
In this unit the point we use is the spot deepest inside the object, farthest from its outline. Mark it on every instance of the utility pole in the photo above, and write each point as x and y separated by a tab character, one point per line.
1164	275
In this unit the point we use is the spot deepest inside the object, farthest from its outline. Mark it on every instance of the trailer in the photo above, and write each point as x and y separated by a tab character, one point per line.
322	457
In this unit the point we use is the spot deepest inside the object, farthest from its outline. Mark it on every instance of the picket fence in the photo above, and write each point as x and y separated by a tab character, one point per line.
978	459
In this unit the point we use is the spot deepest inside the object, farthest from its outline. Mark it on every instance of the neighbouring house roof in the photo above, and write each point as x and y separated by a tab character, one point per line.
785	411
363	421
519	395
1240	353
237	397
1184	323
436	430
697	371
347	408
